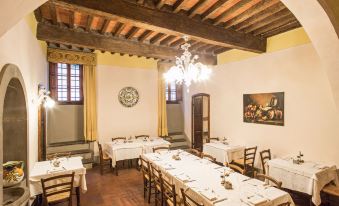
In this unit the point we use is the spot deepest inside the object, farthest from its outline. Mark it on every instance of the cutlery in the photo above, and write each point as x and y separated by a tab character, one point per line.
220	200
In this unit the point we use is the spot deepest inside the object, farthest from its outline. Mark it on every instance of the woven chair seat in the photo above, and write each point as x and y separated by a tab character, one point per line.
331	190
58	197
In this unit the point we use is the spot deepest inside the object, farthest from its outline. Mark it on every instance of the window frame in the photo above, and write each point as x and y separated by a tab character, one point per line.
53	84
178	93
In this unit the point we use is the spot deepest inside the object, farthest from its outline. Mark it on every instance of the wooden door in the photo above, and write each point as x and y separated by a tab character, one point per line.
200	120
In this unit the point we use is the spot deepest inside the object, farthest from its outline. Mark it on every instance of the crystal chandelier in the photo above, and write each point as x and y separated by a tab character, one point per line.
187	69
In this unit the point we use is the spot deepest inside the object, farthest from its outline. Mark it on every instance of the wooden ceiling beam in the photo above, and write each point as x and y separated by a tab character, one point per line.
221	18
54	13
160	4
91	40
178	5
165	22
118	29
212	9
276	17
284	28
156	38
221	50
260	16
132	32
71	20
145	35
90	19
177	42
263	5
192	11
274	25
167	40
105	26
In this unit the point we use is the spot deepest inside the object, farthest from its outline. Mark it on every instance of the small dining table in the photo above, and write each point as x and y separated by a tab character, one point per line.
224	152
308	177
119	150
201	179
45	169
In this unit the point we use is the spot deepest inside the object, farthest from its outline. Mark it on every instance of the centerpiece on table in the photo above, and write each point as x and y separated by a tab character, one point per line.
176	156
224	140
299	159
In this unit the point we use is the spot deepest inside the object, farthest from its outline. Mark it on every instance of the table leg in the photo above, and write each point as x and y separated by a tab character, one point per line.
77	191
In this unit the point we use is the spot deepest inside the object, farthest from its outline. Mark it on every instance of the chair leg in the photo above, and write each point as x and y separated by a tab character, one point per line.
149	191
116	170
101	169
77	191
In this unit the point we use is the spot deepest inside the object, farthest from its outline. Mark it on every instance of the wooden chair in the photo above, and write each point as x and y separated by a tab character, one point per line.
213	138
265	155
156	149
170	196
264	177
58	155
330	190
147	177
57	189
158	186
141	136
104	159
247	162
118	138
194	152
234	167
187	200
208	157
285	204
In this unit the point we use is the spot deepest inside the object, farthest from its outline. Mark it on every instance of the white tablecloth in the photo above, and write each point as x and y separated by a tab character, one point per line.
223	153
309	177
118	150
45	169
201	179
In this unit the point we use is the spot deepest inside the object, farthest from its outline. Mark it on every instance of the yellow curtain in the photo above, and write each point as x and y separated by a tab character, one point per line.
90	104
162	114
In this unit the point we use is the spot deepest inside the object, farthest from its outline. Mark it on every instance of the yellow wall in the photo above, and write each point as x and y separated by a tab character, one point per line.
125	61
282	41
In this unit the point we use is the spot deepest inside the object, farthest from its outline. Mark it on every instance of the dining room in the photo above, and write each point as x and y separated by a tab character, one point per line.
169	102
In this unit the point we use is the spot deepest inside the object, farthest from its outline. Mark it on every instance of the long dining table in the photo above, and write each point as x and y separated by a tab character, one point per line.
132	149
201	179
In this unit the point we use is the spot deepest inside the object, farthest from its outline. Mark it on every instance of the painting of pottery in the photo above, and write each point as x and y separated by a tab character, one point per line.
264	108
13	173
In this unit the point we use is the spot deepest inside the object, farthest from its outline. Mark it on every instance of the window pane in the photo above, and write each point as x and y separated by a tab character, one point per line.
75	82
62	82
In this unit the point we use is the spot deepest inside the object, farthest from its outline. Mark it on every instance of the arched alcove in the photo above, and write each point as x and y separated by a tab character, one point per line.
13	118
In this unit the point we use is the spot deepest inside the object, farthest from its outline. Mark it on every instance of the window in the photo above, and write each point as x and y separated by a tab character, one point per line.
65	82
173	92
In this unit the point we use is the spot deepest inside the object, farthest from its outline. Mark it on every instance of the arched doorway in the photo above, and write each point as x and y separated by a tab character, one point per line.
13	118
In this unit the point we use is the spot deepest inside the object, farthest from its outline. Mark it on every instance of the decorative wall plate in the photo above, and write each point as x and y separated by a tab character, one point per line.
128	96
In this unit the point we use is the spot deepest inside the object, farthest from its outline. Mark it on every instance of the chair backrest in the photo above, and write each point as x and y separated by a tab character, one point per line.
194	152
141	136
58	188
145	167
118	138
169	192
285	204
157	177
208	157
268	178
101	154
58	155
213	138
249	157
155	149
187	200
265	155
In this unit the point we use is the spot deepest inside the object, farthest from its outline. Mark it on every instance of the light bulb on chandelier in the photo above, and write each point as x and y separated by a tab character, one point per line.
186	69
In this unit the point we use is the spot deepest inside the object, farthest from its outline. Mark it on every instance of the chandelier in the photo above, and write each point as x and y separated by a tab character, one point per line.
186	69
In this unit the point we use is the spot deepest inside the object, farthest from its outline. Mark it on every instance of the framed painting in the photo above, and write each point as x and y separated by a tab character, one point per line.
264	108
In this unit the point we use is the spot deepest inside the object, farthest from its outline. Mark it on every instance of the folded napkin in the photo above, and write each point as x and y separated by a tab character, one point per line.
211	196
56	169
257	200
185	178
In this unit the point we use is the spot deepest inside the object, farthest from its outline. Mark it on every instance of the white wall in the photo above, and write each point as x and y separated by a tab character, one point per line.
117	120
311	120
20	47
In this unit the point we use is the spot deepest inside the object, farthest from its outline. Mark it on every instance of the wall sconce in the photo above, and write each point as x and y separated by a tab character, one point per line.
44	97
